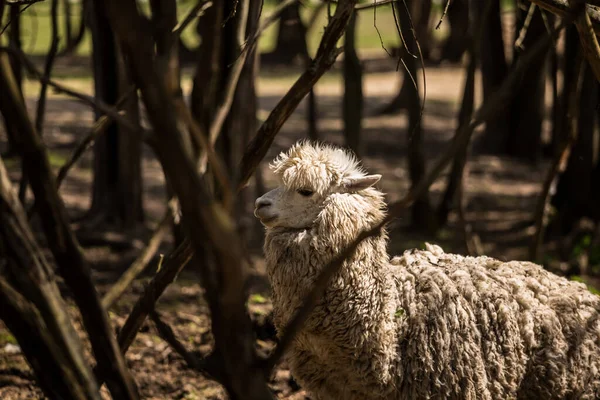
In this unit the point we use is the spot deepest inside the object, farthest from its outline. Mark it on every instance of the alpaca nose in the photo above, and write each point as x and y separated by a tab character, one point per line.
261	202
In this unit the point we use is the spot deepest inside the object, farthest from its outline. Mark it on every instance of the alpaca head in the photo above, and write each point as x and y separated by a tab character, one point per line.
310	175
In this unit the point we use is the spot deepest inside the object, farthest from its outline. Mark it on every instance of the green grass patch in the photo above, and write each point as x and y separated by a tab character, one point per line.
6	338
591	288
36	27
258	298
56	159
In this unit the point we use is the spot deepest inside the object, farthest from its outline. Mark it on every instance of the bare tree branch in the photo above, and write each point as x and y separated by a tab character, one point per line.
16	3
171	267
60	88
560	160
587	37
324	59
443	14
32	273
205	220
232	81
41	106
268	21
562	8
167	334
366	6
141	262
525	28
63	244
196	11
98	129
45	356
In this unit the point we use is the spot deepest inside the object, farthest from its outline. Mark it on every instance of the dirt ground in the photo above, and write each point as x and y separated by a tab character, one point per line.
501	196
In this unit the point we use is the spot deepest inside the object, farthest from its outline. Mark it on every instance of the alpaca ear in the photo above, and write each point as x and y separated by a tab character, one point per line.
361	182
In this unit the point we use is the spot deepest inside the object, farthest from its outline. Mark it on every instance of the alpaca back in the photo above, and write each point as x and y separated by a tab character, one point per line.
476	327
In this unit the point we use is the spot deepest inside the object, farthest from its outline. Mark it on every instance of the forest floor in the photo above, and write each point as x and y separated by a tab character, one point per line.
501	195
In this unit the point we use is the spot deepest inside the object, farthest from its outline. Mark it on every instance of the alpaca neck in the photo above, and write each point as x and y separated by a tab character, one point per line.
296	258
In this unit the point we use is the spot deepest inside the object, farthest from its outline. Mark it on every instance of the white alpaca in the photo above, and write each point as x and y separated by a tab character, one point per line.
424	325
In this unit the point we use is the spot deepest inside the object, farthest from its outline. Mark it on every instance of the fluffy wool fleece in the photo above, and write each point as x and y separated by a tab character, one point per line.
426	325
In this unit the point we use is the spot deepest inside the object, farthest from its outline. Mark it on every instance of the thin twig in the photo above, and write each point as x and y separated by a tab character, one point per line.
232	81
89	100
268	21
98	129
443	14
548	27
461	139
41	105
374	4
195	12
169	270
141	262
414	34
167	334
379	33
525	27
562	9
399	30
560	161
209	154
587	37
324	59
17	3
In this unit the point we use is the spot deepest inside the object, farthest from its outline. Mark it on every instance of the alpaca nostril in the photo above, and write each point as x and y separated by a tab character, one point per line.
260	203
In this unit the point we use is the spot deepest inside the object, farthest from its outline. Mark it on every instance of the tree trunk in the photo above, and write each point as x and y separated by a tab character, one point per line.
527	108
493	70
74	40
117	188
164	19
241	122
14	37
208	71
458	18
423	218
353	96
421	17
560	129
573	199
291	38
423	28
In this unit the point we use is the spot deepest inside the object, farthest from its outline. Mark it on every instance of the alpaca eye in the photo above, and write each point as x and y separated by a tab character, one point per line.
305	192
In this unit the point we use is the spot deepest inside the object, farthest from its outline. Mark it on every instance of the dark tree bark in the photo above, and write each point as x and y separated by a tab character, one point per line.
14	38
458	19
291	38
65	248
527	108
560	129
31	306
573	199
353	95
423	218
423	27
74	39
208	71
494	69
240	124
117	188
420	13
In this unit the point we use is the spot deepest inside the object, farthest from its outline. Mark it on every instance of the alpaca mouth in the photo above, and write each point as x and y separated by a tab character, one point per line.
264	219
267	220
